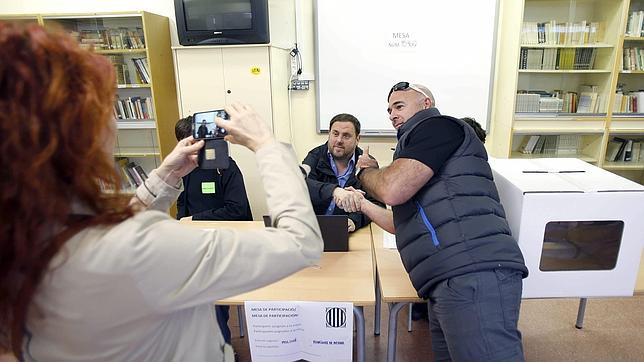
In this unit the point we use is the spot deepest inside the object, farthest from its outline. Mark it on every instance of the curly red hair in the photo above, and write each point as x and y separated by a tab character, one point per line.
56	123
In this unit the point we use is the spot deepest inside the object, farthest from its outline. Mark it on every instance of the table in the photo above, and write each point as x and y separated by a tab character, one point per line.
339	277
393	287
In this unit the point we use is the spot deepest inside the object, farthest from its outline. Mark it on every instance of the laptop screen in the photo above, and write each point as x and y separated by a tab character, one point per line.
334	228
335	232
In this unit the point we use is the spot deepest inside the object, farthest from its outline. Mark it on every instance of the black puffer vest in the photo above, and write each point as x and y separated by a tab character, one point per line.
454	224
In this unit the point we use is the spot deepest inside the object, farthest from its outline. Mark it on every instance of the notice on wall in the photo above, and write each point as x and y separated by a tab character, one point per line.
292	331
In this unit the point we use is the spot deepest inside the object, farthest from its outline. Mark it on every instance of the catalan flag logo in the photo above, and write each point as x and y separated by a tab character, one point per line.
336	317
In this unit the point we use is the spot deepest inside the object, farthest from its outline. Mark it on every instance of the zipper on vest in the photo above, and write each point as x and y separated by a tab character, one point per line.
428	224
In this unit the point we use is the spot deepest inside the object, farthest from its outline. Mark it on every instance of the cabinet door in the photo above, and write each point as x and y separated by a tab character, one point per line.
247	78
200	77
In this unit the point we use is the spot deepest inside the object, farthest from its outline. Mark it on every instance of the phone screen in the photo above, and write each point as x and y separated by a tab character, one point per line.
204	126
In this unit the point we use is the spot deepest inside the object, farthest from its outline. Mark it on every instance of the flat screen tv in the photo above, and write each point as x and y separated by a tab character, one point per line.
218	22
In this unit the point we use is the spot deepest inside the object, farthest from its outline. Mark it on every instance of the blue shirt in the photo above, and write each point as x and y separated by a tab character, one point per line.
342	179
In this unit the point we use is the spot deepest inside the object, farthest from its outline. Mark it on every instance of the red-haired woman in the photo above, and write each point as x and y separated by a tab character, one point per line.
86	276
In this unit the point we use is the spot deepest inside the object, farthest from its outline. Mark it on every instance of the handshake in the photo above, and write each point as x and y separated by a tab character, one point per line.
349	199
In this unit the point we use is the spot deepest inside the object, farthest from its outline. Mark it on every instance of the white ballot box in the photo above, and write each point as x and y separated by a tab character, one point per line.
580	228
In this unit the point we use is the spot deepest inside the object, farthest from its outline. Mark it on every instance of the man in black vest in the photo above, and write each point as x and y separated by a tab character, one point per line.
450	227
332	176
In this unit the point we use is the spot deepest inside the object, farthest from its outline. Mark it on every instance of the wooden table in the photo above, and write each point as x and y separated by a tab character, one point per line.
392	287
339	277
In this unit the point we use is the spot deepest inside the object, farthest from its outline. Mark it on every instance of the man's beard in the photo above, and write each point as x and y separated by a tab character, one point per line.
345	156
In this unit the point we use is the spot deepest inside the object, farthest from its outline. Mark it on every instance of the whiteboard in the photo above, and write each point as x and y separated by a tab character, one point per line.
364	47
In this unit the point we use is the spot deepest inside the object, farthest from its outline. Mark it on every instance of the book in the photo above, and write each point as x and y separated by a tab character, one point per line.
550	145
530	144
585	103
141	172
612	150
620	152
637	149
135	176
538	148
628	149
126	180
568	144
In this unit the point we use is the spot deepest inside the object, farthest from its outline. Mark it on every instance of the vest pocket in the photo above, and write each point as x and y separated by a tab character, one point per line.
428	224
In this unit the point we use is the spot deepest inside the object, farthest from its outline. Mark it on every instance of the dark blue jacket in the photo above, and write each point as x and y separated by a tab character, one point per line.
455	224
321	182
228	202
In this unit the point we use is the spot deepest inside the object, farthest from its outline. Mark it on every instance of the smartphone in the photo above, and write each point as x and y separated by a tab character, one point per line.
204	126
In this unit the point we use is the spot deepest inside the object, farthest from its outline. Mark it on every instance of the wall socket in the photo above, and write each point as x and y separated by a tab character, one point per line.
299	85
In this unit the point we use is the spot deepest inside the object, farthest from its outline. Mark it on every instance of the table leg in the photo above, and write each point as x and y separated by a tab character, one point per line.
580	313
242	320
393	330
376	318
360	333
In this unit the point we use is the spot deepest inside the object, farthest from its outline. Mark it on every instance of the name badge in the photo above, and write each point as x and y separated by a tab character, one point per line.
207	187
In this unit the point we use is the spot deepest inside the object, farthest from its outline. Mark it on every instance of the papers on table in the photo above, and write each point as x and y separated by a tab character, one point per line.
388	240
291	331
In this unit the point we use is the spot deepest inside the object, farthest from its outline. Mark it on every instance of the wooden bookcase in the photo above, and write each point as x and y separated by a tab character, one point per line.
594	27
146	135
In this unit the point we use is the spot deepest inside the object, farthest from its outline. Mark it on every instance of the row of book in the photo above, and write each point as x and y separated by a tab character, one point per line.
133	108
554	33
132	174
112	38
551	144
633	59
632	102
122	68
624	150
635	25
142	69
587	100
533	103
559	58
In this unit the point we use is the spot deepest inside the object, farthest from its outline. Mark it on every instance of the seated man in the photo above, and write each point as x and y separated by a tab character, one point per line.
333	169
212	195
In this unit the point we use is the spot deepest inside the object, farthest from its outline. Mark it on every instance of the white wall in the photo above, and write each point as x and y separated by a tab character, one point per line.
304	102
303	111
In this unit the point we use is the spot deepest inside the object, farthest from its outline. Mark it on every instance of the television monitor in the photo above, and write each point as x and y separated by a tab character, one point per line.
219	22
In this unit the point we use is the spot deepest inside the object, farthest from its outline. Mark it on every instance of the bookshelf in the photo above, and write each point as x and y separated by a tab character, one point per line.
627	122
560	63
138	44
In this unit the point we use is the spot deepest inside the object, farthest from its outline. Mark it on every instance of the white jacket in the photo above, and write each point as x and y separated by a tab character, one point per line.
142	290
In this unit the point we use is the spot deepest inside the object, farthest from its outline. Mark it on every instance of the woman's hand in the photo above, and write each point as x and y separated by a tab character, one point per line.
180	161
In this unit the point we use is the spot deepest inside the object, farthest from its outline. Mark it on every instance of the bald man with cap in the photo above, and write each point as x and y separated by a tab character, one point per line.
450	227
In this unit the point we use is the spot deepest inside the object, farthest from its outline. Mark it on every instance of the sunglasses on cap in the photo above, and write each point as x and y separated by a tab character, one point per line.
402	86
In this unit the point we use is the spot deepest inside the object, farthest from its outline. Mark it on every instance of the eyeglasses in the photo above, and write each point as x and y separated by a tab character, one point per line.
402	86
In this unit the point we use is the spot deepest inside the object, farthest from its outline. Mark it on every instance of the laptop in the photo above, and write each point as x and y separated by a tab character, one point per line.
334	228
335	232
